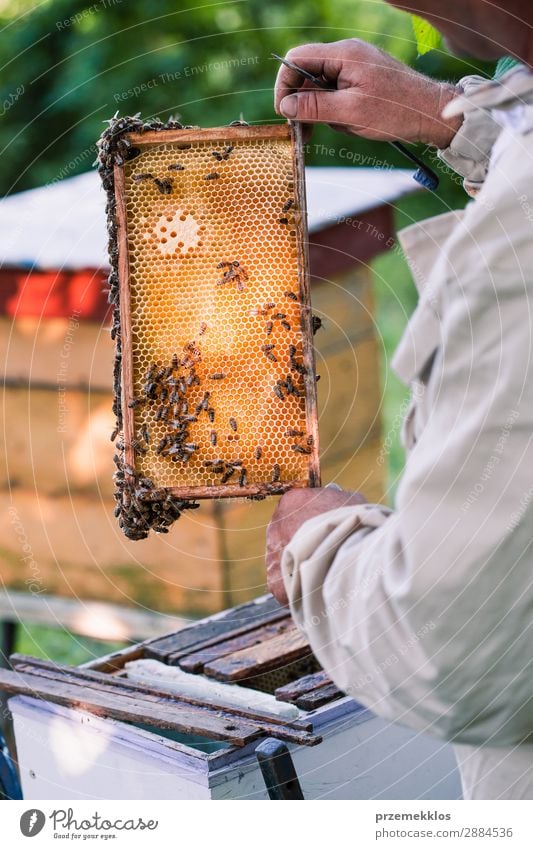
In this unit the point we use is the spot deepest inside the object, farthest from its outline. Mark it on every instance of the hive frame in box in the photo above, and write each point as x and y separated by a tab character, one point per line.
166	135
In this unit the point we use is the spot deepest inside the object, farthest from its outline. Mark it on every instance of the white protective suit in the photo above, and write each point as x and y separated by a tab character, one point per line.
425	613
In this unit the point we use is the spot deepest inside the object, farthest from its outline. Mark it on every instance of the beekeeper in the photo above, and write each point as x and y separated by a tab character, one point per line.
424	613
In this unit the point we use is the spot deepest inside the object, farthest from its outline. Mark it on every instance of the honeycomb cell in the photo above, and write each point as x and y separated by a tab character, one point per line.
216	314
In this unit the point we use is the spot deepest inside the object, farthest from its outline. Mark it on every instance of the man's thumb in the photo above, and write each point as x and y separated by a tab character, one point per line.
289	106
312	106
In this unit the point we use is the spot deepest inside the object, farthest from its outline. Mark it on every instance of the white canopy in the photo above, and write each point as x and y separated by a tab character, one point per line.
63	224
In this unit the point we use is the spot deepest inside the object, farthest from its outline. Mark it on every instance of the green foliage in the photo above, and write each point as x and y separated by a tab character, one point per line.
427	37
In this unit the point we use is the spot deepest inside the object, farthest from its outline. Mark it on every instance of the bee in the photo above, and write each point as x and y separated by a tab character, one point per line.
164	186
136	445
283	220
301	449
227	475
310	440
258	453
267	351
291	295
145	434
278	316
114	435
203	328
211	414
209	463
276	473
190	447
174	361
184	146
284	323
176	167
287	205
213	437
234	464
243	480
233	423
292	431
279	392
218	375
316	323
138	178
213	176
136	402
269	327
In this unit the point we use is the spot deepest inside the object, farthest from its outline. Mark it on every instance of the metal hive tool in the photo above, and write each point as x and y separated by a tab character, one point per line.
214	378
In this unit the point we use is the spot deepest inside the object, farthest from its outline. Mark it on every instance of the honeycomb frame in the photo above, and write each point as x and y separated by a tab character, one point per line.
138	282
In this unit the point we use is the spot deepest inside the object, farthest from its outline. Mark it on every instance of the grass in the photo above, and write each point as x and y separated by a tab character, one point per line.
395	300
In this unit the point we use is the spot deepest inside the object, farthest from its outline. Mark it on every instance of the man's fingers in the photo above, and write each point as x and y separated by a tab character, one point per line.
317	106
317	59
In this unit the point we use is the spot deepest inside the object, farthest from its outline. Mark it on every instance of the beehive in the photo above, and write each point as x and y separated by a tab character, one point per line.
215	328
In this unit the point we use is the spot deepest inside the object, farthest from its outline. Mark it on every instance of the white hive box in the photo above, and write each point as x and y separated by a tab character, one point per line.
67	753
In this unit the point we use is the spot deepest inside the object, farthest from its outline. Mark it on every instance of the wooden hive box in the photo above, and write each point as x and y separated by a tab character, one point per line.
170	745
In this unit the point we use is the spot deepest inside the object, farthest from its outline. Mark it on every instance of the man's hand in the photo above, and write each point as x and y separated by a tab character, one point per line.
376	96
295	508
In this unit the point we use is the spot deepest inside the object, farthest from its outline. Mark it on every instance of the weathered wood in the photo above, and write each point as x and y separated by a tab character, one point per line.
308	351
320	696
225	491
232	623
256	660
196	661
148	700
169	715
265	131
123	686
290	692
125	318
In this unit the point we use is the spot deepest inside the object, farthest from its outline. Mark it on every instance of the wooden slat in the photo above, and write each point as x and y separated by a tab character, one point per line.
125	708
290	692
230	624
196	661
264	131
256	660
125	317
320	696
308	350
121	686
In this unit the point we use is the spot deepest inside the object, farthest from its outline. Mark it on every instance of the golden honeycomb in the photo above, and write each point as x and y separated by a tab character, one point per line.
214	284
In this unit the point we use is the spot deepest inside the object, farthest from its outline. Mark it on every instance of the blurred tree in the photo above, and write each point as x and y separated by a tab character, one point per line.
69	64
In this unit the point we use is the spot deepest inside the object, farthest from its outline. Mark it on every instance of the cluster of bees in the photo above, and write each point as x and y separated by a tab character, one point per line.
141	507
